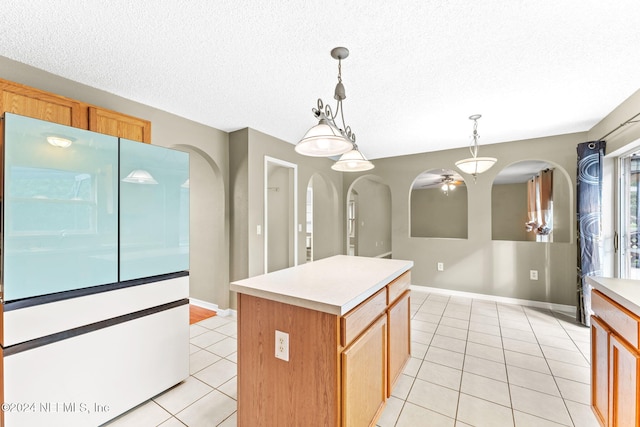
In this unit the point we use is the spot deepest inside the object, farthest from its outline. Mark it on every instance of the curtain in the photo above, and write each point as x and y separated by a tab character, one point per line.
589	211
532	205
540	203
546	202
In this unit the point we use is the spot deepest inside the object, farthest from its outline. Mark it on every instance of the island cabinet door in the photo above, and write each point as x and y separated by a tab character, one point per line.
624	367
399	331
600	369
364	373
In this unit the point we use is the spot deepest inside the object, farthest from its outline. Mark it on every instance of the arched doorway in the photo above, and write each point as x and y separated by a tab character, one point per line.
369	218
209	254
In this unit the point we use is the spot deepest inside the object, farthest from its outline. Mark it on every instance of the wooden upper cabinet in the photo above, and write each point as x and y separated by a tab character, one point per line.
30	102
120	125
38	104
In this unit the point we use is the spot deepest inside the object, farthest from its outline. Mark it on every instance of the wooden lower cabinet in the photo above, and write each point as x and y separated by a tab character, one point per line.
615	363
399	318
364	375
623	383
600	369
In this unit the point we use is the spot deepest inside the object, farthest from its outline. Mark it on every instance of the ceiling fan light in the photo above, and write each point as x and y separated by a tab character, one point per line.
352	161
323	140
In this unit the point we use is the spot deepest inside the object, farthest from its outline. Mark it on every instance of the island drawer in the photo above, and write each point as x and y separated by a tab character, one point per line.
617	317
398	286
357	320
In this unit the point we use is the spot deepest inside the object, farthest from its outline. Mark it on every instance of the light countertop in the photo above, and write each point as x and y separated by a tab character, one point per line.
332	285
625	292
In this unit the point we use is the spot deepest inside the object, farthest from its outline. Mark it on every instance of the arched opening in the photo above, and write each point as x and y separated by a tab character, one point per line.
369	218
322	223
517	210
209	255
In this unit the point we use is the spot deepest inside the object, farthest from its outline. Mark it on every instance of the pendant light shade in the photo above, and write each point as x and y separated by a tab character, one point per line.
475	165
140	176
323	140
352	161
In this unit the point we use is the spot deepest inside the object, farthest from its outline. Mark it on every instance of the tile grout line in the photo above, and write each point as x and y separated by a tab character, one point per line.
549	366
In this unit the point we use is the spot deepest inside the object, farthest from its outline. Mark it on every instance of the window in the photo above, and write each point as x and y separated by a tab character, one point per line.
629	253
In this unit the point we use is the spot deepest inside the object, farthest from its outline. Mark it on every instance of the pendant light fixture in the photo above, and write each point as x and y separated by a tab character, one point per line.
327	139
352	161
475	165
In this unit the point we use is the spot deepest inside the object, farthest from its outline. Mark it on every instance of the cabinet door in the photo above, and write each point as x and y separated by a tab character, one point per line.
37	104
364	373
399	339
623	383
120	125
600	369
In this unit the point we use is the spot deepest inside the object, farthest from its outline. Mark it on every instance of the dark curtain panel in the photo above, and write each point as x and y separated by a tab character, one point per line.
589	210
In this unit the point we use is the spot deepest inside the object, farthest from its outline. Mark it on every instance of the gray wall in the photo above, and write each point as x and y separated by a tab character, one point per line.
479	264
509	212
248	148
436	214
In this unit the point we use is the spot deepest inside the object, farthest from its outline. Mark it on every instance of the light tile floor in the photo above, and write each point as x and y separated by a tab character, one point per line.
474	363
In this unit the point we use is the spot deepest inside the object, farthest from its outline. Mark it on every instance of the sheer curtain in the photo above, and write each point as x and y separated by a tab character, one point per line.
540	203
589	211
546	202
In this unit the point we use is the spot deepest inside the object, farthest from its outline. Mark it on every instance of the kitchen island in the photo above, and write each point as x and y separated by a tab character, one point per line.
615	351
323	343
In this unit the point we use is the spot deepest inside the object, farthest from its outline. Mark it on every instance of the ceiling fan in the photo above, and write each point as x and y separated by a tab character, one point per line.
448	183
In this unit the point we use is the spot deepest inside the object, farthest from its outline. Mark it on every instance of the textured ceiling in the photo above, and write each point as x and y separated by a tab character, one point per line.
417	69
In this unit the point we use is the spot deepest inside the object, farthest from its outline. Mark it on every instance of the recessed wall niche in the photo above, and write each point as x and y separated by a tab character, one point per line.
513	200
438	205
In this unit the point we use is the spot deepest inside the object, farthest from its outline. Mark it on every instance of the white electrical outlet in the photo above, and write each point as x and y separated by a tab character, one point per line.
533	274
282	345
440	266
259	230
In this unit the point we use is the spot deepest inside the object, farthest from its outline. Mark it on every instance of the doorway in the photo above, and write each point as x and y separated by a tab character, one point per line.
281	214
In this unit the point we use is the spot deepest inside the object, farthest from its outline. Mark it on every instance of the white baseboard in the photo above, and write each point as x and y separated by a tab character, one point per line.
566	309
214	307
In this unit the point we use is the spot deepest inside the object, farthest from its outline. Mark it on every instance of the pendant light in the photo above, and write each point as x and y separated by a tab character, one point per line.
352	161
327	139
475	165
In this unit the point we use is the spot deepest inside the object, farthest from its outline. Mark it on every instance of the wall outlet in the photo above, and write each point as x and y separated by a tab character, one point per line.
440	266
259	230
533	274
282	345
